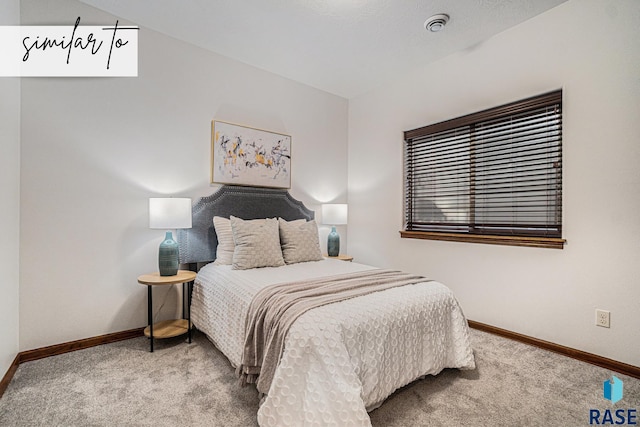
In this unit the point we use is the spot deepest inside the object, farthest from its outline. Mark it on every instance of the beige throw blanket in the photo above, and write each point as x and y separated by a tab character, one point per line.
275	308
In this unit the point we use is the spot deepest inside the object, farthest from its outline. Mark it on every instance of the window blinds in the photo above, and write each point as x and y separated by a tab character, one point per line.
495	172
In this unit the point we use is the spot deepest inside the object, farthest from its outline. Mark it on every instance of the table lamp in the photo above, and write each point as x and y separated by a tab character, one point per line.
169	213
334	214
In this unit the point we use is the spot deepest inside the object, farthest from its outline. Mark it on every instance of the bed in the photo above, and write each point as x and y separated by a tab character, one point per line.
339	360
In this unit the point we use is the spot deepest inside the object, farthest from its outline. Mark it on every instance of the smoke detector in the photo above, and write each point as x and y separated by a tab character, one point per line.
436	23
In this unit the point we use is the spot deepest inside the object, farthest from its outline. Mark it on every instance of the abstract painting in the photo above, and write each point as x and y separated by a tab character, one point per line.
246	156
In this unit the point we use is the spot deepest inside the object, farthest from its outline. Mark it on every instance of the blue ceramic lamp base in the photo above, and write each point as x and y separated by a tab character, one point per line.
168	256
333	243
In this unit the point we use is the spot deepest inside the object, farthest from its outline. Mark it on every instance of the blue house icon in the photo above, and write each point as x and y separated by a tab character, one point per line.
613	389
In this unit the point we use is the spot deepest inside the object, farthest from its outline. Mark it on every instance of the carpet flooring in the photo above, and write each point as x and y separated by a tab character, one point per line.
122	384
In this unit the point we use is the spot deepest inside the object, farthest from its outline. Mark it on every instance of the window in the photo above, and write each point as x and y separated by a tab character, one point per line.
493	176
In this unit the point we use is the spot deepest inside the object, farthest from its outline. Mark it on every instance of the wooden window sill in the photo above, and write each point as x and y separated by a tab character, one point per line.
535	242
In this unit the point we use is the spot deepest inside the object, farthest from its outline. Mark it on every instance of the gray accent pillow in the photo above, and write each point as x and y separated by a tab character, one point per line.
299	240
257	243
224	252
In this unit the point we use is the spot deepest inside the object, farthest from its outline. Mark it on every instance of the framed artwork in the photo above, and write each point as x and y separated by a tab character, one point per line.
246	156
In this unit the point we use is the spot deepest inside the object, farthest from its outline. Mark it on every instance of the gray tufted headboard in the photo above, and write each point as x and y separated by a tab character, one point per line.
198	244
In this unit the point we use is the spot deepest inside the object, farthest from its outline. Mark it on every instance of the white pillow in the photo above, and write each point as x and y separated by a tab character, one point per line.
299	240
224	252
257	243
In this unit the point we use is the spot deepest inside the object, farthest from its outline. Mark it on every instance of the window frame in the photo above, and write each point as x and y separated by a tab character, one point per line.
503	111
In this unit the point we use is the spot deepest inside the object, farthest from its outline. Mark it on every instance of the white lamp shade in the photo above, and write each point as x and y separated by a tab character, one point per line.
334	214
169	213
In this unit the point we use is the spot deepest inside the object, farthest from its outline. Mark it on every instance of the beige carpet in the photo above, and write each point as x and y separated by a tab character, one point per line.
122	384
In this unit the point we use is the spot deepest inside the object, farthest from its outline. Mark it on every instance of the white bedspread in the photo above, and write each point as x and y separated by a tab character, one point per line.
342	359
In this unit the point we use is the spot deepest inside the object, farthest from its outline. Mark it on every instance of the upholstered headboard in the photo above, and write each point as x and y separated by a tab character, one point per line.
198	244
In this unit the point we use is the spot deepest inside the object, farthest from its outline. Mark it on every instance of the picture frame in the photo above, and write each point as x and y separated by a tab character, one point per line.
242	155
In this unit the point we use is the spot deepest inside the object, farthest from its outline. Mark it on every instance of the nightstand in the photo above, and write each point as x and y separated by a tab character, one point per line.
168	328
341	257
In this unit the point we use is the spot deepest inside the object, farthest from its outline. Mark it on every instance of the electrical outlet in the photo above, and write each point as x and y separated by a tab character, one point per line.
603	318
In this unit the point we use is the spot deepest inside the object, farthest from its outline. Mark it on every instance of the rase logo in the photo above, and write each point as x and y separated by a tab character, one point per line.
613	390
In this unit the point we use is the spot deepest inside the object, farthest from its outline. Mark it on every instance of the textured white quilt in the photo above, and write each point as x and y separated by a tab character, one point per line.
342	359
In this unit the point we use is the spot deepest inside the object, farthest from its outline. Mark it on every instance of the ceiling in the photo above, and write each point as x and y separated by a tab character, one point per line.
345	47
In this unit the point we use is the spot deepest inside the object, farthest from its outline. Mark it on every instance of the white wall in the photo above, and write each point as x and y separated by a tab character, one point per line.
10	206
95	149
591	48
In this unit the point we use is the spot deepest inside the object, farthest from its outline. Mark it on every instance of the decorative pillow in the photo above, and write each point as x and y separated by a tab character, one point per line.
299	240
257	243
224	252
